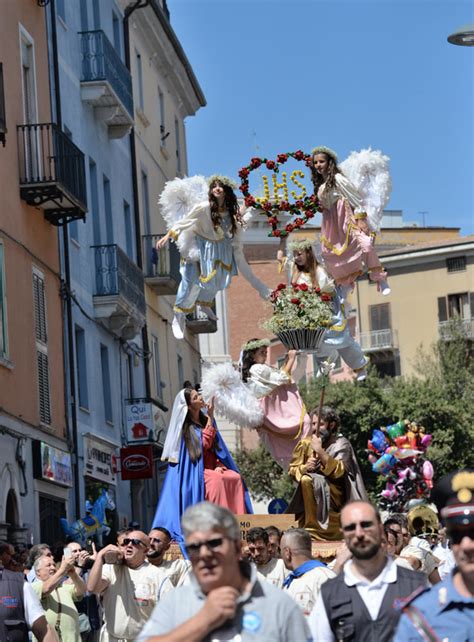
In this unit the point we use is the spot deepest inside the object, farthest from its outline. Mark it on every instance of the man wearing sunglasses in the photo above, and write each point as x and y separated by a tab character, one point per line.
160	542
225	600
446	611
358	604
130	588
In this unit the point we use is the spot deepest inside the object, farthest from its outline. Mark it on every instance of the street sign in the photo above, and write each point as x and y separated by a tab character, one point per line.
277	506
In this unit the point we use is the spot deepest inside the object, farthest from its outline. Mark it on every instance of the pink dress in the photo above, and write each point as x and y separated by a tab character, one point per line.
224	488
285	419
345	248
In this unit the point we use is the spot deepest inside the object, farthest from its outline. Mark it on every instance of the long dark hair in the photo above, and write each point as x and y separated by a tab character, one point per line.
309	268
191	440
318	179
248	360
230	203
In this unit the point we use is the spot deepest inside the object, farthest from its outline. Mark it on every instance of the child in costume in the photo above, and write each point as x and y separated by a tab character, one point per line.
216	226
285	419
200	466
337	339
346	239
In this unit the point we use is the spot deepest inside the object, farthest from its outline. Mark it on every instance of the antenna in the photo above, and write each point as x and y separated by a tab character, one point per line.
423	220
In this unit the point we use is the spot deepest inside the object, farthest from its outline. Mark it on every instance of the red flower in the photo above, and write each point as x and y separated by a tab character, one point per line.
299	204
249	201
255	162
299	222
299	155
244	172
273	220
270	164
267	206
284	206
295	301
289	228
276	233
243	187
281	286
282	158
325	297
303	287
317	290
309	214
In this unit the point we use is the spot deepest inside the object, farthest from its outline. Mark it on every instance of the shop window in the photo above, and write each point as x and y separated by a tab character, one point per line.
50	512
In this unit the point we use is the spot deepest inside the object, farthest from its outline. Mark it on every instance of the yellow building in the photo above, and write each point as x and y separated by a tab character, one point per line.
431	283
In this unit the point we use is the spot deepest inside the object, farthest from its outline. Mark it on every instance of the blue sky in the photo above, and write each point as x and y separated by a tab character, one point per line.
289	74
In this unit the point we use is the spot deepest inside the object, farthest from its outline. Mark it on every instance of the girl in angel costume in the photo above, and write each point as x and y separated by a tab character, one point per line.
351	215
337	339
209	235
261	397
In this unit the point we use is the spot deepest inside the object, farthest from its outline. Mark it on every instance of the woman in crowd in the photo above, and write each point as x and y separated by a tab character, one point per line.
200	467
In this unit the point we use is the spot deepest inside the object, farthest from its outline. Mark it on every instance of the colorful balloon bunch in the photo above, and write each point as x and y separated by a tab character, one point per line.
398	453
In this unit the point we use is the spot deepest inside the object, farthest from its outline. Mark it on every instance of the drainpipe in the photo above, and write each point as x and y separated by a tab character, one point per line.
66	288
140	4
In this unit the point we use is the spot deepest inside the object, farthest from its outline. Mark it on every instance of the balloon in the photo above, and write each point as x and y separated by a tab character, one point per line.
395	430
428	470
384	464
379	442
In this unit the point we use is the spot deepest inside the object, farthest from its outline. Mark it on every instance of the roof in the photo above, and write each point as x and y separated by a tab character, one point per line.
419	247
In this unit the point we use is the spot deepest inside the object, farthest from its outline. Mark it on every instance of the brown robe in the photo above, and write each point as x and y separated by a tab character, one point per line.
320	496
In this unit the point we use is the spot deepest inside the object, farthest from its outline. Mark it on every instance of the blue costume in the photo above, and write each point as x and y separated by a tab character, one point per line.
447	613
184	486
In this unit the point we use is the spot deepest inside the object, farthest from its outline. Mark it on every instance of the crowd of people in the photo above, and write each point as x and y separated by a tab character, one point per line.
266	587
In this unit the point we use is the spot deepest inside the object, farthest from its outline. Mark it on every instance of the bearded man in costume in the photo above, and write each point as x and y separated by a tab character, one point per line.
328	476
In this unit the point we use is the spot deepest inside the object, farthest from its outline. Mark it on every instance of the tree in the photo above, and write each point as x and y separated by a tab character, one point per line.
264	477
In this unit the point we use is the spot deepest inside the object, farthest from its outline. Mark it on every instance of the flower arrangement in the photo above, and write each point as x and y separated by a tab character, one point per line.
298	307
303	207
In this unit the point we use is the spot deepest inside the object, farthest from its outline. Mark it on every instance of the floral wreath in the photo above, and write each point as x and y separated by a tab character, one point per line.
255	344
297	245
225	180
303	208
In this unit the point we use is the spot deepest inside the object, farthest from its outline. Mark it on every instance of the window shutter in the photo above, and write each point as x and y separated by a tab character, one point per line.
40	308
442	309
43	387
471	296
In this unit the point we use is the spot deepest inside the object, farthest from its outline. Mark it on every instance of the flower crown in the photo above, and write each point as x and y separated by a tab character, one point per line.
325	150
297	245
225	180
255	344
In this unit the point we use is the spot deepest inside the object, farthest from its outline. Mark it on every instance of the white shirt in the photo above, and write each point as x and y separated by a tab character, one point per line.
306	588
371	593
274	571
33	608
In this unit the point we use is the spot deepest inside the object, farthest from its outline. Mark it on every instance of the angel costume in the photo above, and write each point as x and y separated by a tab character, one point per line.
285	419
344	246
337	337
187	483
220	258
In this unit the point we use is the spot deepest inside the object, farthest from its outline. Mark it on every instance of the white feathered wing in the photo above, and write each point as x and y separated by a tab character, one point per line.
232	399
368	170
177	199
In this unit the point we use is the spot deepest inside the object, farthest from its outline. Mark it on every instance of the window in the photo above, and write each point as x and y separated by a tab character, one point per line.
161	104
128	230
109	226
456	264
28	80
116	31
3	307
380	317
460	305
106	391
96	13
95	211
61	10
84	16
146	204
156	366
138	62
41	337
81	365
178	146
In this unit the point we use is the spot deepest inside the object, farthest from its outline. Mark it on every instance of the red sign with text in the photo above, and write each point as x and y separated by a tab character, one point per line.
137	462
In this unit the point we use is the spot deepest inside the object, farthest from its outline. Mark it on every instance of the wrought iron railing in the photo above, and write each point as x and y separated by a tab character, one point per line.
160	263
456	327
47	156
116	274
100	61
378	340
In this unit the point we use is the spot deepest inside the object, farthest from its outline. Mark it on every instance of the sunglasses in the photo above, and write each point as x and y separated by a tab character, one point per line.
350	528
211	545
132	540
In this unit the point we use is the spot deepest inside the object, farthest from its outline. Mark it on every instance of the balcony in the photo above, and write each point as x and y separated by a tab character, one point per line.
119	297
456	327
52	172
161	267
198	323
379	340
106	83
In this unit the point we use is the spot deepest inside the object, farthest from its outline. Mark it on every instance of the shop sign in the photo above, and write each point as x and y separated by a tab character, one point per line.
99	460
137	462
52	464
142	420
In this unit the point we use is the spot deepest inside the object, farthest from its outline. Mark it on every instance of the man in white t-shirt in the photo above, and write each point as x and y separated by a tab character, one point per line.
160	542
130	586
260	551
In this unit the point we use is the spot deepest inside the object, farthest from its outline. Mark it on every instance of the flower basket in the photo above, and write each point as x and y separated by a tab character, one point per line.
303	339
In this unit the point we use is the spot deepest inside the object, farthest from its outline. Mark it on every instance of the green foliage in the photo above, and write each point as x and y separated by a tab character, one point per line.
263	476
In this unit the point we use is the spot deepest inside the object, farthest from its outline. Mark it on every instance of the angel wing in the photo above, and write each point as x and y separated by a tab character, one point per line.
232	399
177	199
368	170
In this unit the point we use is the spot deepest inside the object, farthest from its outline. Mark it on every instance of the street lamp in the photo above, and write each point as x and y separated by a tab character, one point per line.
464	36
